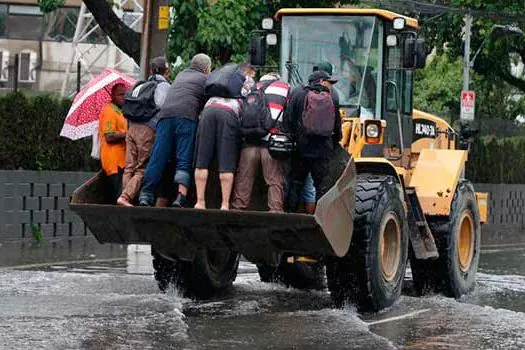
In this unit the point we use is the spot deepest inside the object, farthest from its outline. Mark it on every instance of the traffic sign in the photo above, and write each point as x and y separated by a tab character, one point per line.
468	104
164	17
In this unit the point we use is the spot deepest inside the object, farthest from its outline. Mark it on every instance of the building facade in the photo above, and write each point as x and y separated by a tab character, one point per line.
44	46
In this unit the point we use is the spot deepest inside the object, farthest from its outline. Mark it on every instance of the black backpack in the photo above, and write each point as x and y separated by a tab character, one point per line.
139	103
256	119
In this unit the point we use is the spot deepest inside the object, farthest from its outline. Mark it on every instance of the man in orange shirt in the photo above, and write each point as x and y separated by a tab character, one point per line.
112	133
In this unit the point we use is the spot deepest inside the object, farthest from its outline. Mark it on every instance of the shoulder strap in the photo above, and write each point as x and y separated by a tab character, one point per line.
278	117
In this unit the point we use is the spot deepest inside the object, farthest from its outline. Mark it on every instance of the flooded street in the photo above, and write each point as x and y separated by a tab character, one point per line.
100	305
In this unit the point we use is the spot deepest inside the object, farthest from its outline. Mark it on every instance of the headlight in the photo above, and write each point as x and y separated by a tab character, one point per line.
372	131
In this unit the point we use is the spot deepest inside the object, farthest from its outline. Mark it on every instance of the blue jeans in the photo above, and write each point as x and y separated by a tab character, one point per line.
175	138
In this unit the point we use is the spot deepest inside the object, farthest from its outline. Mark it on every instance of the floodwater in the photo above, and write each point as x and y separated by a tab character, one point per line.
116	305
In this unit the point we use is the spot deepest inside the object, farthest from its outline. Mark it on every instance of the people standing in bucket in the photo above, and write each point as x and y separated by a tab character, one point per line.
257	121
219	135
313	118
112	135
307	202
142	102
176	130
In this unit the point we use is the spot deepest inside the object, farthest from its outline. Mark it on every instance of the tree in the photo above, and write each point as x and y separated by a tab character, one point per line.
222	28
123	36
442	23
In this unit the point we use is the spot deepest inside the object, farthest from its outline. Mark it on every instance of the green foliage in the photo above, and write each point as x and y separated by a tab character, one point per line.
37	234
493	62
437	88
29	134
222	28
50	5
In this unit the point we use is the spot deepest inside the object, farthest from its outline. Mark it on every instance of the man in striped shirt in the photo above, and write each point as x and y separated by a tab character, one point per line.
255	152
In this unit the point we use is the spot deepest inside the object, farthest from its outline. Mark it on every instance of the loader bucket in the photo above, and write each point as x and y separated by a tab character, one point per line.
179	232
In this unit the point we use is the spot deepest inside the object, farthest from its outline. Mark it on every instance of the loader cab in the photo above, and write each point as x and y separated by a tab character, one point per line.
373	54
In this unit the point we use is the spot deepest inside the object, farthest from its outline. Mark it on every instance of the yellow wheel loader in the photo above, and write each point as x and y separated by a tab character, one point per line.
397	192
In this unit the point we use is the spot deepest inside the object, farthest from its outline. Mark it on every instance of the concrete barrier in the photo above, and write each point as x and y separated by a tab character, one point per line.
33	202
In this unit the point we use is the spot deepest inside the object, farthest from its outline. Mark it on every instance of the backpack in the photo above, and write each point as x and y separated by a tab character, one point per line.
139	103
226	81
256	116
318	113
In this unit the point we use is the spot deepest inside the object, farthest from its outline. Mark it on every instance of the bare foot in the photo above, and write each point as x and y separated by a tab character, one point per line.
200	206
225	208
123	202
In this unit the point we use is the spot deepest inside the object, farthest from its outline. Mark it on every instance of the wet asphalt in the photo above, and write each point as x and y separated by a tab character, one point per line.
114	304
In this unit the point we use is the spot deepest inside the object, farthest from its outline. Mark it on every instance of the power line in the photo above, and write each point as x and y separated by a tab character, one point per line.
419	7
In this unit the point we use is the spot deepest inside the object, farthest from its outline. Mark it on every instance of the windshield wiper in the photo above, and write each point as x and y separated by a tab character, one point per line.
294	77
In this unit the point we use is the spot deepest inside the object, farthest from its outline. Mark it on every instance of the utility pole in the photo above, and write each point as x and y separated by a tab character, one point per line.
156	21
466	55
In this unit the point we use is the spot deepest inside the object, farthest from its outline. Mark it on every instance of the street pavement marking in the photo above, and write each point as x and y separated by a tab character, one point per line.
396	318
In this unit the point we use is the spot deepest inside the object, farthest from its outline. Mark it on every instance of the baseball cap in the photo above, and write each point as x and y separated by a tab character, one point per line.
159	64
321	75
324	66
270	76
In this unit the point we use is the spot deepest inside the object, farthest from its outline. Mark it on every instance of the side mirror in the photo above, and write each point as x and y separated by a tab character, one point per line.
414	53
409	58
421	54
258	51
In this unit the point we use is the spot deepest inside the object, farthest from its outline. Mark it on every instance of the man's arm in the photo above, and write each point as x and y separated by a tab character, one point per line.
160	93
293	111
338	132
107	124
115	137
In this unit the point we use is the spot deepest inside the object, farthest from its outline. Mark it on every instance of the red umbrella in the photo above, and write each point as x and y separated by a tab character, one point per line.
82	118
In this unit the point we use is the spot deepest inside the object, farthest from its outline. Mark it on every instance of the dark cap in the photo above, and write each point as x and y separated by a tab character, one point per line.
159	65
324	66
321	75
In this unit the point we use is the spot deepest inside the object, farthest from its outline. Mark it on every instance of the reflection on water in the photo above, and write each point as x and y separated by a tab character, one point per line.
139	260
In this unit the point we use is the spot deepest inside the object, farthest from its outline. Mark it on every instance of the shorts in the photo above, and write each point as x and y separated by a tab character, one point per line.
308	191
218	137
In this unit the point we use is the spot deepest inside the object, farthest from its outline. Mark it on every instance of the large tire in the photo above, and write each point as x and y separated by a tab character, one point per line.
209	274
300	275
458	239
268	273
371	274
164	270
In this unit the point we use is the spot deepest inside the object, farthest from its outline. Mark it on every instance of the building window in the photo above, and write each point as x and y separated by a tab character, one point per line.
24	22
60	24
4	65
3	20
27	66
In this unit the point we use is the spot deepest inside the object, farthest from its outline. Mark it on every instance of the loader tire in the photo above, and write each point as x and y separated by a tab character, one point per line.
297	275
268	273
371	274
209	274
163	270
301	275
458	241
